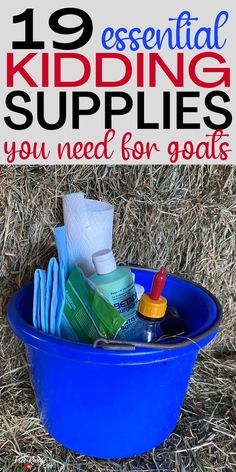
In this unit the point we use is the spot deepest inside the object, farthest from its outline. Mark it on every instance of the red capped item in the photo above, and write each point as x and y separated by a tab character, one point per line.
158	284
152	305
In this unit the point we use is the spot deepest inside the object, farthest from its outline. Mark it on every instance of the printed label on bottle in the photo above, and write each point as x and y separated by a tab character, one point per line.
125	301
131	330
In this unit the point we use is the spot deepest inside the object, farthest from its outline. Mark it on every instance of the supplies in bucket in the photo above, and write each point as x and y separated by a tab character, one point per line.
87	296
89	325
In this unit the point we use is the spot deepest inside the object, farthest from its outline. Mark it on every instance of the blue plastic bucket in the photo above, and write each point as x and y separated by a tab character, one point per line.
115	403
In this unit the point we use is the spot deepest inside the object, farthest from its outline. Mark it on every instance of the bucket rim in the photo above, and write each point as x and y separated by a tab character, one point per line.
25	329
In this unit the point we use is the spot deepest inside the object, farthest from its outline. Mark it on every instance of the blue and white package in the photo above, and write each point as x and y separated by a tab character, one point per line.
40	281
60	298
53	274
49	297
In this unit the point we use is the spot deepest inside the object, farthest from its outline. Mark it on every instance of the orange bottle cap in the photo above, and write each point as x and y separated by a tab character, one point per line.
152	308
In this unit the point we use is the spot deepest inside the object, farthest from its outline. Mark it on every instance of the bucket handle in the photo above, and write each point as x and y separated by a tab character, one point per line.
115	345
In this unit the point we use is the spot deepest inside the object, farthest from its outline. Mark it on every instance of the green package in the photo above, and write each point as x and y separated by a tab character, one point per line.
87	314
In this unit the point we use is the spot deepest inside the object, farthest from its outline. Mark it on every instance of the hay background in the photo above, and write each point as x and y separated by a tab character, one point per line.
178	216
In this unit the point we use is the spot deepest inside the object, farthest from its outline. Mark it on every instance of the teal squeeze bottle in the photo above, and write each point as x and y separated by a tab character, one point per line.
117	285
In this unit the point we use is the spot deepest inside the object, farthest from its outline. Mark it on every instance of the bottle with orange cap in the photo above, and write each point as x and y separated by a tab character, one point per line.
152	308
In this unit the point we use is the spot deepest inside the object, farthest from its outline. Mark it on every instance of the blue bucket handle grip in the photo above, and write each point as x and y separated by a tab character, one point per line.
115	345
